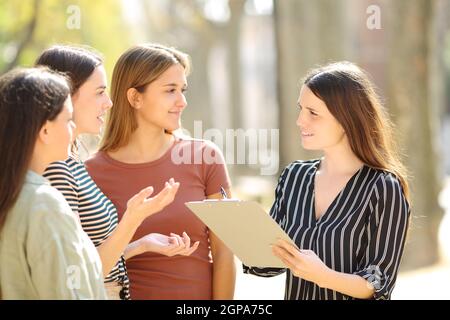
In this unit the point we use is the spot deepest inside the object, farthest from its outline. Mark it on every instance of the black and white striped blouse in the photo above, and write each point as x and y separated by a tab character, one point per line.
362	232
98	215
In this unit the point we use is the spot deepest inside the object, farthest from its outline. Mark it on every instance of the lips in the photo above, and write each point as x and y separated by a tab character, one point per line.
306	134
101	117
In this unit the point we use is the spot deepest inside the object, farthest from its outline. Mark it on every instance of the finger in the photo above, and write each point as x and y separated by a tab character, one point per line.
144	193
173	241
282	253
141	195
187	240
171	181
288	247
168	196
162	194
180	240
193	248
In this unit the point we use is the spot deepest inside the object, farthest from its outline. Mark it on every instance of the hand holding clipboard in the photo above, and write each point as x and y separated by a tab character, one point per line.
244	227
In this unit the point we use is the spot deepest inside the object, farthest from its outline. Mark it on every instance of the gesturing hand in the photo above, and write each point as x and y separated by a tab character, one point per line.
140	206
169	246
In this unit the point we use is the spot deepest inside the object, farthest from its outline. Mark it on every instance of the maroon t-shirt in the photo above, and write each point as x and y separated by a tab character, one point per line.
199	167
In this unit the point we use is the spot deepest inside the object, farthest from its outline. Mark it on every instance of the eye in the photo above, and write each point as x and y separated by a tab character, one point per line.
184	90
313	113
100	93
171	90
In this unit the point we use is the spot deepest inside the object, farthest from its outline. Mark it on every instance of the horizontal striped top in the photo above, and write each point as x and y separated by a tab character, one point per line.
98	215
362	232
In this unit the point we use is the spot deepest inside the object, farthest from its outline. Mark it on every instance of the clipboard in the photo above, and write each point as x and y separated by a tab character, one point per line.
244	227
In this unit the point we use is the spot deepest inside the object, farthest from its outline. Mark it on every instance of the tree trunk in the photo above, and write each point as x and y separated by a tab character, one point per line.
409	100
308	33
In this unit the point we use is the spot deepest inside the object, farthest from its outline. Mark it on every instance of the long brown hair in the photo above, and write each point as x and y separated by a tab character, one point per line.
28	98
351	98
136	68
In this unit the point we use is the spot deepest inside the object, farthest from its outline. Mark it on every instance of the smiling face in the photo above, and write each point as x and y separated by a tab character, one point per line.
90	103
161	103
319	129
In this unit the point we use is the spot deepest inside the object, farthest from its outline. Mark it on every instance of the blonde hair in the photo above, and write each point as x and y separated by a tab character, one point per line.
136	68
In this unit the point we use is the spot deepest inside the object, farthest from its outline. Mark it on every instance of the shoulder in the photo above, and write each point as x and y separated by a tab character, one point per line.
387	184
388	190
97	159
59	168
299	167
46	205
50	199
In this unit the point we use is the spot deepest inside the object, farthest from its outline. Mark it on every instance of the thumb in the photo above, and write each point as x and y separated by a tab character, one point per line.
143	194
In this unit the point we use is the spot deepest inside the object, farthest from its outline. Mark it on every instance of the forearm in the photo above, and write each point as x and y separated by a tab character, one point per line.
224	276
133	249
113	247
348	284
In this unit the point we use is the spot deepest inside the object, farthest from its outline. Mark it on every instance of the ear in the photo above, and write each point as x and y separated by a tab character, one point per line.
44	133
133	98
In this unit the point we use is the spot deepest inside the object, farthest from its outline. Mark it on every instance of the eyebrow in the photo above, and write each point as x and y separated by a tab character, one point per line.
101	87
174	85
309	108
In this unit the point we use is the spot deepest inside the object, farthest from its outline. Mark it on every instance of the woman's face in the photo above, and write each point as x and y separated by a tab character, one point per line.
61	133
319	129
163	100
91	102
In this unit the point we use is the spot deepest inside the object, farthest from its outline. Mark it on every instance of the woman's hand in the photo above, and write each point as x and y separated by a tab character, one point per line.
304	264
140	206
168	246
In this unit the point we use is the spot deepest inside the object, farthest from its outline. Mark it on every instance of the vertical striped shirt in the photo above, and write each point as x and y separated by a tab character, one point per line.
362	232
98	215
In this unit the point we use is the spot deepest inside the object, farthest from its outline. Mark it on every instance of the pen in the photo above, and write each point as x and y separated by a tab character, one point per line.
223	192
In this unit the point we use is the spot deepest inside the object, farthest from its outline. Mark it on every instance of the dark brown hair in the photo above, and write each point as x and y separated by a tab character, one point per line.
78	63
351	98
28	98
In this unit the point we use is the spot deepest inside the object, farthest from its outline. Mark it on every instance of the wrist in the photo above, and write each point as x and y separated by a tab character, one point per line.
134	248
326	278
131	220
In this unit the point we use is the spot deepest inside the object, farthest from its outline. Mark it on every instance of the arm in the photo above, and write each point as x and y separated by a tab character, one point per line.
224	269
379	265
63	261
307	265
138	208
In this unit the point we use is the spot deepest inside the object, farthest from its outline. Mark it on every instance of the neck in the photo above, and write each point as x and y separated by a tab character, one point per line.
146	144
38	164
340	160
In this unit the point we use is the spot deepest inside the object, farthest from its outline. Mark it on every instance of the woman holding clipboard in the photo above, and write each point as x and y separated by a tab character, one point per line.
348	212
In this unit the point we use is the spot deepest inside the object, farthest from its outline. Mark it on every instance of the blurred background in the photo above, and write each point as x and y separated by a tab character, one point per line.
248	57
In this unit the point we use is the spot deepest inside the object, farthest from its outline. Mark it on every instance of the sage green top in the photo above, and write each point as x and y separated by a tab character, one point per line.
44	252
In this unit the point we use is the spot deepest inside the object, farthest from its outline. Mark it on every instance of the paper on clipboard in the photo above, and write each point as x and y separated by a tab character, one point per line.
244	227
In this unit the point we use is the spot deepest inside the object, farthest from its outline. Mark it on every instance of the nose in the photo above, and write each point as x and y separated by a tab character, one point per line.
300	119
108	103
182	102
